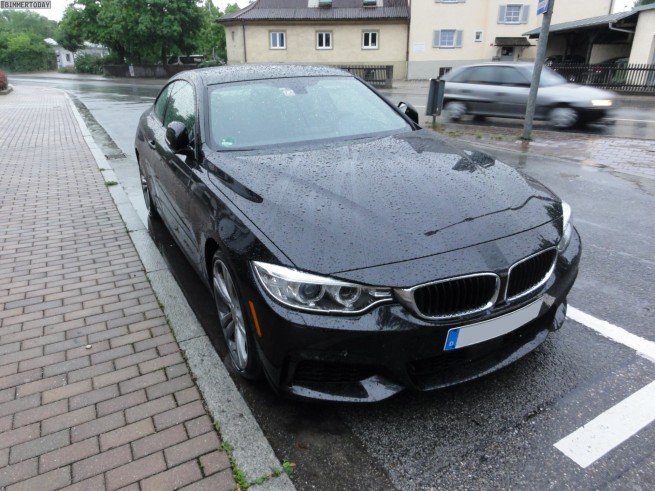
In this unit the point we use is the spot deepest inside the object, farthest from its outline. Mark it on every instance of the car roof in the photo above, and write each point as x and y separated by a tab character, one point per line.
500	63
241	73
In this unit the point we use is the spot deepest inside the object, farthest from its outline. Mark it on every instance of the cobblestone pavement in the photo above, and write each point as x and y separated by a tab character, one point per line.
94	391
631	156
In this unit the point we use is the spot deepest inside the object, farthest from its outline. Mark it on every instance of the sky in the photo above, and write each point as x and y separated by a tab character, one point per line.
58	7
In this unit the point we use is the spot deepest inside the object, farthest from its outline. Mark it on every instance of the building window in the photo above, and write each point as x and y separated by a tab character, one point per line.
232	33
478	36
513	14
447	38
68	57
278	40
443	70
370	40
324	40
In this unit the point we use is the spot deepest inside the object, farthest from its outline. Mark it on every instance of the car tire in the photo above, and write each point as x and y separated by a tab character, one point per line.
234	320
563	117
455	110
147	195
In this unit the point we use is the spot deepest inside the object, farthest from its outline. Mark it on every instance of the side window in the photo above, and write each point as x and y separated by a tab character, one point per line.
489	75
461	77
182	107
160	103
511	76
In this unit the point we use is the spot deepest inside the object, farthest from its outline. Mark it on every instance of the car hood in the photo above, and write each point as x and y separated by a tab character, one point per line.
577	93
351	205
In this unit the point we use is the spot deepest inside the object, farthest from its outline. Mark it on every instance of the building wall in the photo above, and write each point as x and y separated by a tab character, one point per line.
470	16
301	44
643	46
604	52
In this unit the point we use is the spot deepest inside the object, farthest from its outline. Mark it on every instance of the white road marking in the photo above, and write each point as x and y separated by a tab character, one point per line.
633	120
590	442
642	346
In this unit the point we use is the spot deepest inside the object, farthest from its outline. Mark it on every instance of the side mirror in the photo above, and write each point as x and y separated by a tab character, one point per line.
409	111
177	136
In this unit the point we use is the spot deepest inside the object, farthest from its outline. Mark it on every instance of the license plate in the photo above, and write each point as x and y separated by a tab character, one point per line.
460	337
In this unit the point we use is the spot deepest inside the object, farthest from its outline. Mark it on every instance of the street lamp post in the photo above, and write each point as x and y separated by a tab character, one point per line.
536	74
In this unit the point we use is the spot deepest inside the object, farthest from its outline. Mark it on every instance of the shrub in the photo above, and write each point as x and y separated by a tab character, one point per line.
87	63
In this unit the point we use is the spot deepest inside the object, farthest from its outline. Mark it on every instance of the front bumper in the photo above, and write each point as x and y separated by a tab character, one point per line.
380	353
591	115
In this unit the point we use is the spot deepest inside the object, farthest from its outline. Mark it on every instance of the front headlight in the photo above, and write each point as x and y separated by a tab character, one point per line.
567	228
309	292
601	103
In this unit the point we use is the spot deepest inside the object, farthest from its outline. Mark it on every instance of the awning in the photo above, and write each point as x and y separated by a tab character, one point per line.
519	41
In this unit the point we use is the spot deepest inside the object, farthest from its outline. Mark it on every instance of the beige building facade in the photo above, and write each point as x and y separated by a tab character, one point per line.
449	33
643	43
347	32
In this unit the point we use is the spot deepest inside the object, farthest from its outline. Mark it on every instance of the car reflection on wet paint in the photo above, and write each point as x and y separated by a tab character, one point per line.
350	253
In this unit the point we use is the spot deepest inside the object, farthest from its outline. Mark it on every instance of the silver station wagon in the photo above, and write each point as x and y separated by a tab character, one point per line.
501	90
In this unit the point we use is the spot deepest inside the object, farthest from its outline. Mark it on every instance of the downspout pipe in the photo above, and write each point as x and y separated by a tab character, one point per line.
245	51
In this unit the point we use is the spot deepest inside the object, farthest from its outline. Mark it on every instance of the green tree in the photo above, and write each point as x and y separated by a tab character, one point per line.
18	21
22	46
135	30
211	40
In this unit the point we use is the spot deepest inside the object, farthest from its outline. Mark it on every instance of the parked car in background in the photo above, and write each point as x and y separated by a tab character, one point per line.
351	253
501	90
564	59
186	60
609	72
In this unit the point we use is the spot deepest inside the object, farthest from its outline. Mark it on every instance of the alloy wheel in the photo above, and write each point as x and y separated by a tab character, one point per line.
230	315
455	110
563	117
146	191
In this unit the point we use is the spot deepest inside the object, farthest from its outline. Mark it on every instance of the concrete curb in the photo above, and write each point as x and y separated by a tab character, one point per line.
251	450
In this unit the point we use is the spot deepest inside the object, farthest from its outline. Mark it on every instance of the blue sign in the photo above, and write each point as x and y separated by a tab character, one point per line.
542	7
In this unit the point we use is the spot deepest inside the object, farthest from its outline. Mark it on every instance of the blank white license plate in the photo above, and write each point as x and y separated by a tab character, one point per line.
460	337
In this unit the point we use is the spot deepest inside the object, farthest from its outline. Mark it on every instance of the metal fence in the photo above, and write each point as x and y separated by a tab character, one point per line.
623	78
380	76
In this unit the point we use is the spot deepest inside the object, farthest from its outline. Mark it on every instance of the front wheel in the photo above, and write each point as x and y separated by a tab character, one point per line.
563	117
455	110
234	321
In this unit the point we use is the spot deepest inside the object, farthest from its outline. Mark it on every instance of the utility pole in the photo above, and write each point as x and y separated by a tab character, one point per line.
536	74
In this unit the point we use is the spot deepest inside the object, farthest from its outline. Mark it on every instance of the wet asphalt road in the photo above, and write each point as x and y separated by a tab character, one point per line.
496	432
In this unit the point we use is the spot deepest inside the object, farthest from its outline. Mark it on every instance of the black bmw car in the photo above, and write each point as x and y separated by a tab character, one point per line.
351	254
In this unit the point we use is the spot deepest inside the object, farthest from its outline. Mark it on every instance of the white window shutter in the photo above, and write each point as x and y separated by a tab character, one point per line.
525	14
502	9
459	35
436	39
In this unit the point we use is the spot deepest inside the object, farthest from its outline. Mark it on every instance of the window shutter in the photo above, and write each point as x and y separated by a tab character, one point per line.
459	35
501	14
436	39
525	14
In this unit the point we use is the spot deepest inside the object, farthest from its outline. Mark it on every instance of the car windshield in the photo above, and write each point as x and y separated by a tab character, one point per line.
548	76
245	115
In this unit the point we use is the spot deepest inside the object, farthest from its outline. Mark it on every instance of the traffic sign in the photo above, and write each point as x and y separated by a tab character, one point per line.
542	7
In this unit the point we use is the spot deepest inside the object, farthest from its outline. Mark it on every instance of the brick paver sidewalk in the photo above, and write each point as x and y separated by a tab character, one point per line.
94	391
632	156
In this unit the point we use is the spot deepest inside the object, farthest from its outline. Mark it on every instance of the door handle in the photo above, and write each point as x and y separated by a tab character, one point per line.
501	93
466	91
151	143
